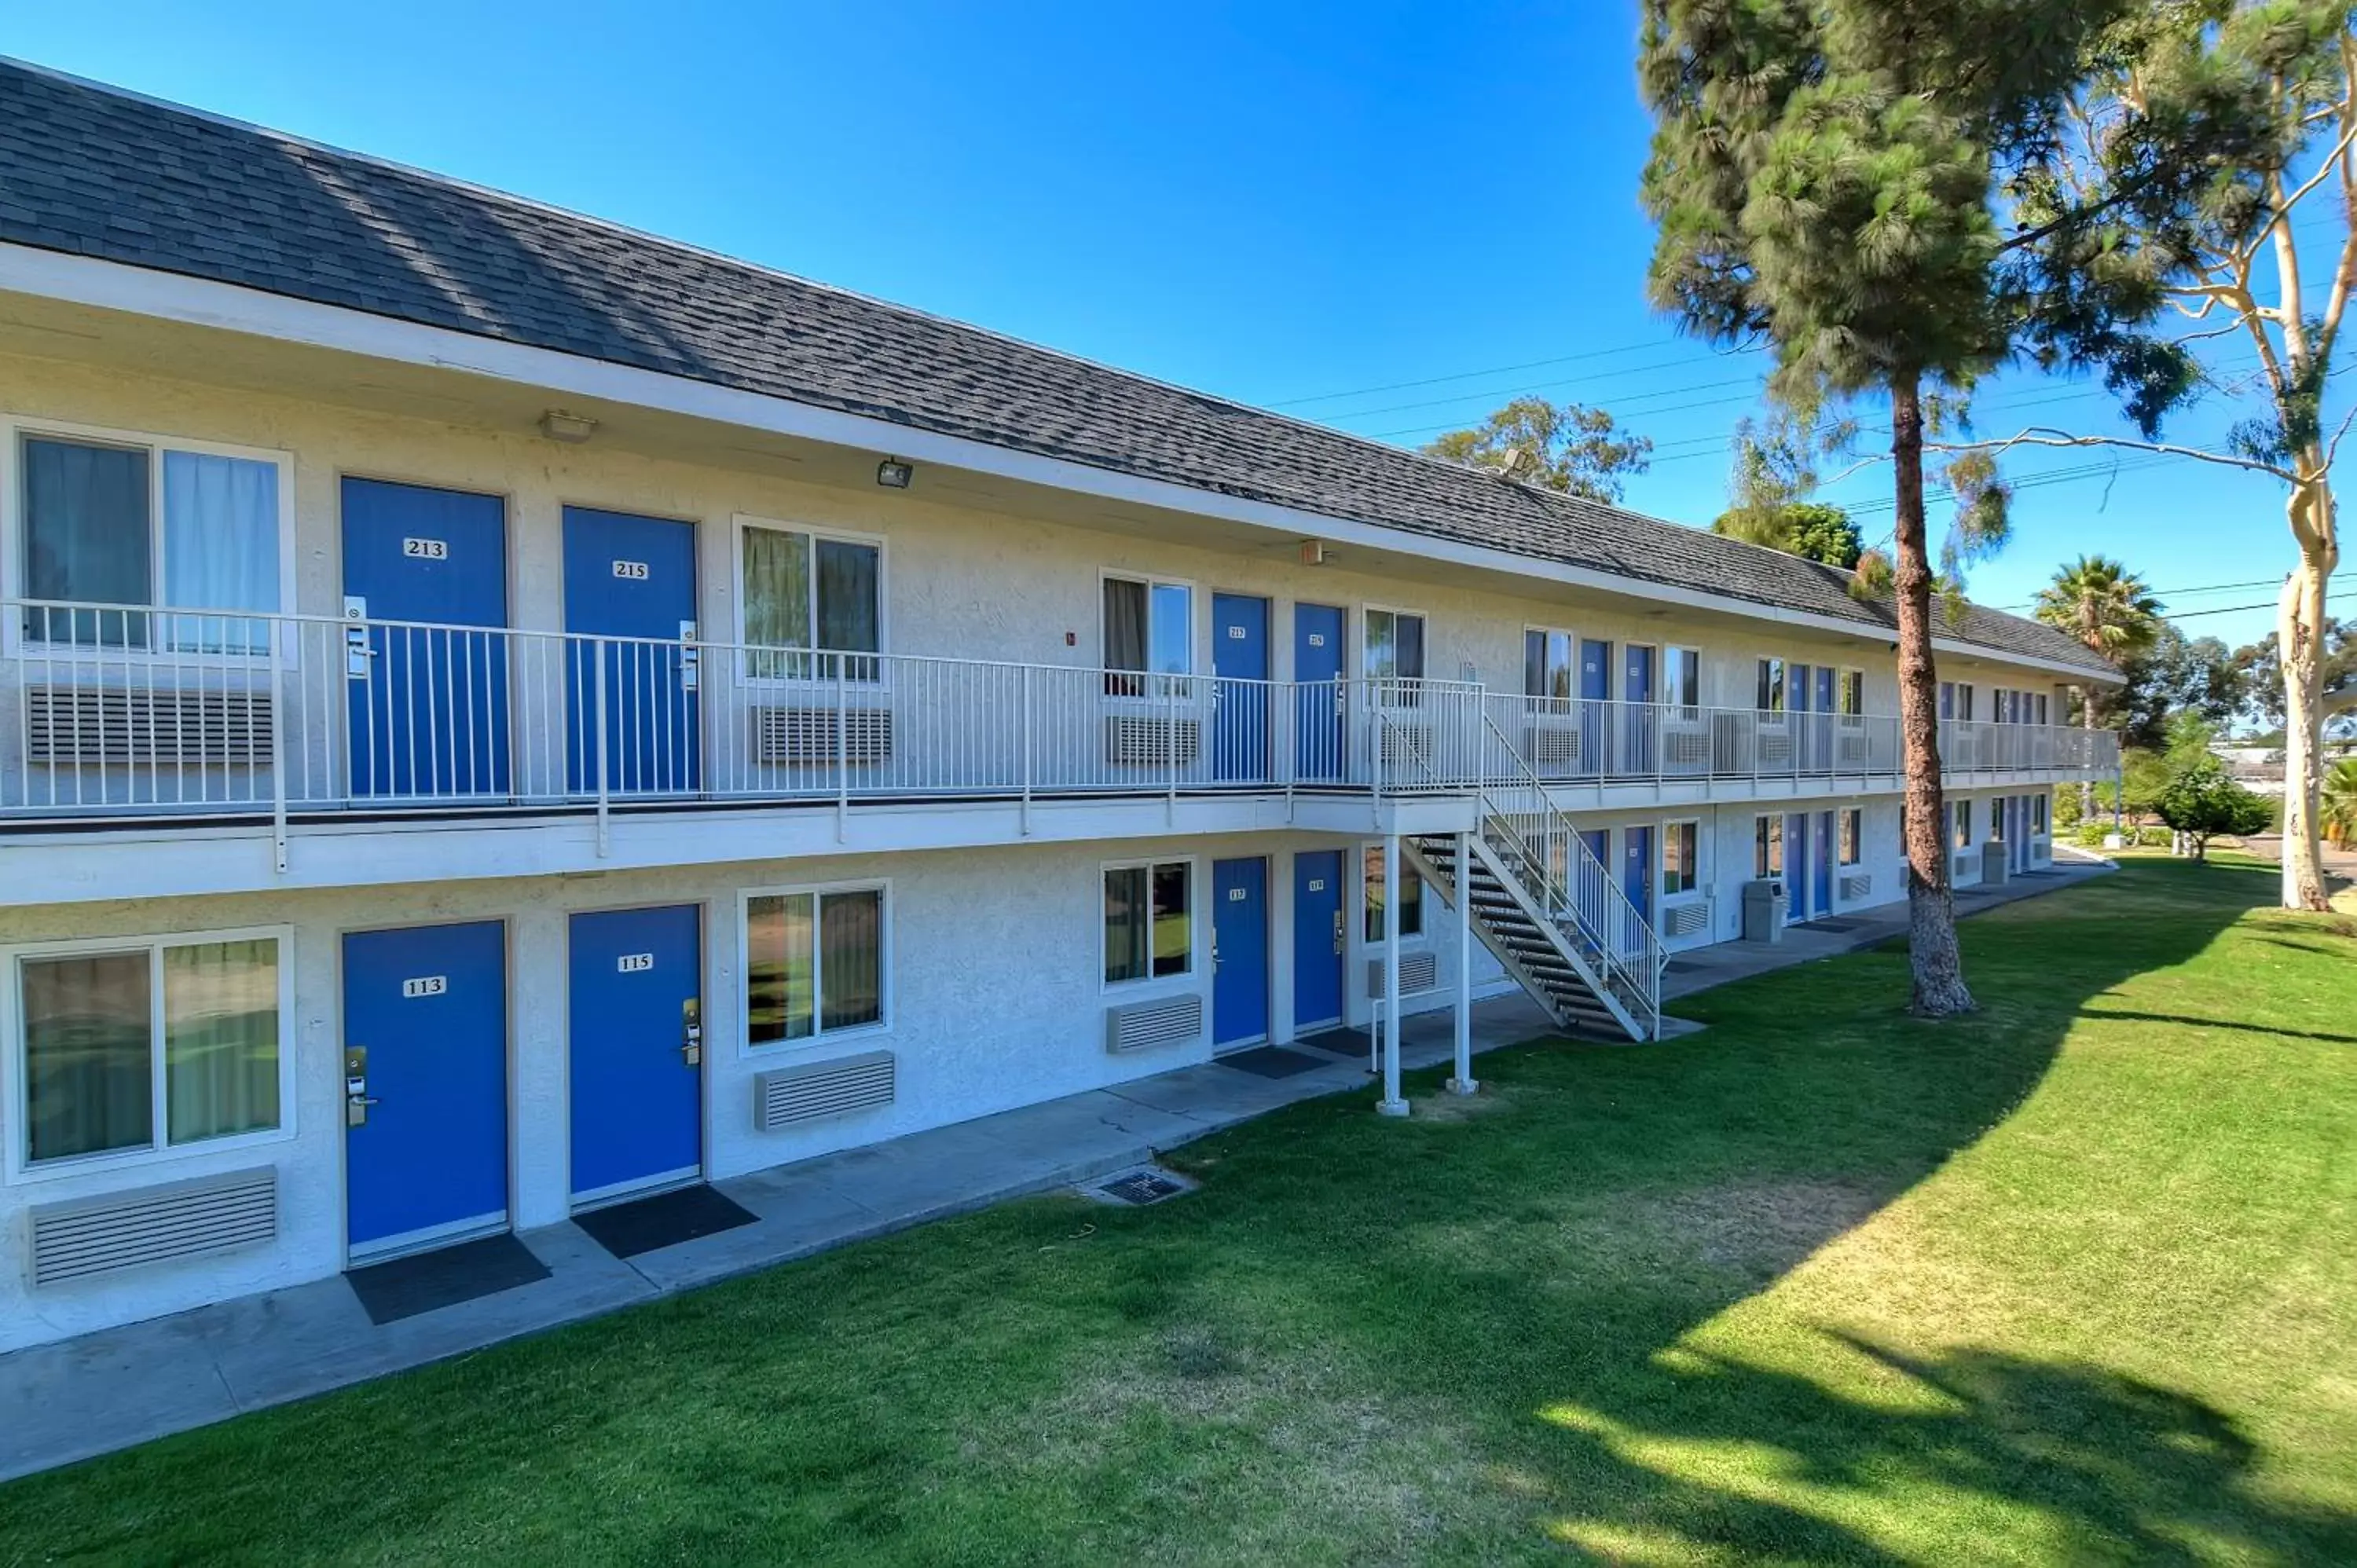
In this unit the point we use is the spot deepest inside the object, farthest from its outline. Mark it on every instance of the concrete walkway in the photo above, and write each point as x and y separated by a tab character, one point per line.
106	1390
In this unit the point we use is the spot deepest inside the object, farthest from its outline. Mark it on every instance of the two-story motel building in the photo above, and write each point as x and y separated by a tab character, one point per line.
500	713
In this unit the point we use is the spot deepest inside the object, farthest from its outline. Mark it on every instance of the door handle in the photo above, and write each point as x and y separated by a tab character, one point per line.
691	1042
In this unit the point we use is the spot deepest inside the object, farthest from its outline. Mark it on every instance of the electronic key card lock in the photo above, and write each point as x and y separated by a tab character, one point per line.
691	1031
357	1100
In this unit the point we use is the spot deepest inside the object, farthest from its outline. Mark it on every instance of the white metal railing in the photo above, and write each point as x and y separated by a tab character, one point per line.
112	710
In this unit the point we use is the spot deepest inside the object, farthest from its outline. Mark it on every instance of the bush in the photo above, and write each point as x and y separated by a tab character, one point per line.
2201	801
2089	835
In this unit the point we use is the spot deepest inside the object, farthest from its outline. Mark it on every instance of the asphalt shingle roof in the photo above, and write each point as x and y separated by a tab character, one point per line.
94	172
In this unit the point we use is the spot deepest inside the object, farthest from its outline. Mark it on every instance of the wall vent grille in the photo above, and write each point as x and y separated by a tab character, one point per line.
1555	749
809	1091
822	735
83	1237
1685	919
1857	884
1419	972
1165	1021
78	725
1142	740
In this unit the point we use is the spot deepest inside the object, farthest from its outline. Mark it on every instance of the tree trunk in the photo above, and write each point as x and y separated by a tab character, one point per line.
2299	638
1931	908
2087	785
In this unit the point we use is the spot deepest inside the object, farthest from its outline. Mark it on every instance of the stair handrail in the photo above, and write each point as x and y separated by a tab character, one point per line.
1640	972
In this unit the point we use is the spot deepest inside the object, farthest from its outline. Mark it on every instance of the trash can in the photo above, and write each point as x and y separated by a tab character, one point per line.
1763	911
1995	863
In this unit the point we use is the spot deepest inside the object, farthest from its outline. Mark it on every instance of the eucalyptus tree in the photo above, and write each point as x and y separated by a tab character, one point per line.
2210	152
1571	447
1826	177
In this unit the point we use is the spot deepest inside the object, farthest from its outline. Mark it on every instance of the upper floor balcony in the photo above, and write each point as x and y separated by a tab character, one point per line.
112	715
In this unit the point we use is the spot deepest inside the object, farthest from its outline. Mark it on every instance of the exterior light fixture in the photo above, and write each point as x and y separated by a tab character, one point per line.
571	428
1313	552
894	475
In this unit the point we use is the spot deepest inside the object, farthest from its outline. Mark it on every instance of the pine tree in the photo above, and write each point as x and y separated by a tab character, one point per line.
1825	176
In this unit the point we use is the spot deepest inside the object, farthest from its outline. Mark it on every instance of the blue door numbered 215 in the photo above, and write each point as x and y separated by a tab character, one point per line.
630	581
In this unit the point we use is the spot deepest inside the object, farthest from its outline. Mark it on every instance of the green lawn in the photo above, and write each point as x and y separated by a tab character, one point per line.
2074	1280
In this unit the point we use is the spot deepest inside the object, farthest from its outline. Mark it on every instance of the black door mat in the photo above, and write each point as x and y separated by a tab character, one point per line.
1273	1061
664	1221
1827	923
1686	966
467	1272
1342	1041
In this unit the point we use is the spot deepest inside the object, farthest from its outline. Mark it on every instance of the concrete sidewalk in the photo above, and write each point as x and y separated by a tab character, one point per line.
110	1389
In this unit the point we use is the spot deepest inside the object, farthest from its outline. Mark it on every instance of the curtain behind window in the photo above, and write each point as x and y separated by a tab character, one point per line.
847	613
1125	923
87	538
776	600
778	968
221	1039
850	958
88	1082
220	549
1124	634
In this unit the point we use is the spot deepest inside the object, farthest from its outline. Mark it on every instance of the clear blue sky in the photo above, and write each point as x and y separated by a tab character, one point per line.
1275	202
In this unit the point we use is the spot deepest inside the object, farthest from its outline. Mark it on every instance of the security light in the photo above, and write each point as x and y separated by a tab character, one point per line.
893	474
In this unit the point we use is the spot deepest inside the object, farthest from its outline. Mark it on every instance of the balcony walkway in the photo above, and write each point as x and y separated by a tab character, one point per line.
118	1387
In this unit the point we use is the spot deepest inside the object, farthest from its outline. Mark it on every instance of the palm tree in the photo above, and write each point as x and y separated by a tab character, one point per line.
2338	815
2107	607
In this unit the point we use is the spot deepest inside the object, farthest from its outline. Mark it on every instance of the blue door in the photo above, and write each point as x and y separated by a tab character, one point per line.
426	704
1240	672
1590	900
1797	884
1637	879
1821	745
1638	722
1317	939
636	1041
426	1061
1595	703
1318	719
1239	952
631	579
1821	866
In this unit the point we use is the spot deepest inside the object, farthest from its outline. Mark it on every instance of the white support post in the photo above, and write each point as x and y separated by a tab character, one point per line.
1391	1104
1463	1083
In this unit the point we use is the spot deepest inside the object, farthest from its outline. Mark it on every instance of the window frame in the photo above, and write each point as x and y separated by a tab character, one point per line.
1367	643
1772	676
16	1079
2041	813
1692	657
747	1047
1960	824
1571	665
1764	840
740	602
1154	686
1850	824
1849	678
15	525
1669	831
1184	978
1366	905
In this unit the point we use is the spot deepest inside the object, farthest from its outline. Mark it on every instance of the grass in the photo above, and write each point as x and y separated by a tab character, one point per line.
2073	1280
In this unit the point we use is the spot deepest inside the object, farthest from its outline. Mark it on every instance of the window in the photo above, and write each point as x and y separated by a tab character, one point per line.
1149	627
815	595
2042	710
1853	693
1772	687
2038	815
1549	664
155	528
1411	897
1682	677
1962	813
813	962
147	1046
1997	817
1681	858
1852	835
1768	846
1395	646
1148	920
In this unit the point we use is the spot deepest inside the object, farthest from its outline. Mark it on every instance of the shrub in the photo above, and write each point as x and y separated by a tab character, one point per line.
2203	801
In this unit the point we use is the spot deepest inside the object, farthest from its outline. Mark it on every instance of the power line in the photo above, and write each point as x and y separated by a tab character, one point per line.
2339	598
1491	371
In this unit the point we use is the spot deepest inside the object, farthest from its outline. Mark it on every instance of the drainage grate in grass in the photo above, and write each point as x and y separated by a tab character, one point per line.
1141	1186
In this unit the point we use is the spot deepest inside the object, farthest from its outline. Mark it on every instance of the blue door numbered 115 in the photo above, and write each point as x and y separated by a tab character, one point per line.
636	1050
630	580
1239	952
425	1100
1317	939
426	697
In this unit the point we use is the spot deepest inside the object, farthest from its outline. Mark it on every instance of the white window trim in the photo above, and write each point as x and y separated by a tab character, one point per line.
1662	856
1522	650
1692	653
1199	620
1784	850
1784	674
820	1036
1841	679
15	1079
1857	840
1186	979
14	428
1408	939
1365	606
739	523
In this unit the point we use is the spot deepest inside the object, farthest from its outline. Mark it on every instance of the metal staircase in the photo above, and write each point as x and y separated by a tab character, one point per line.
1542	902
